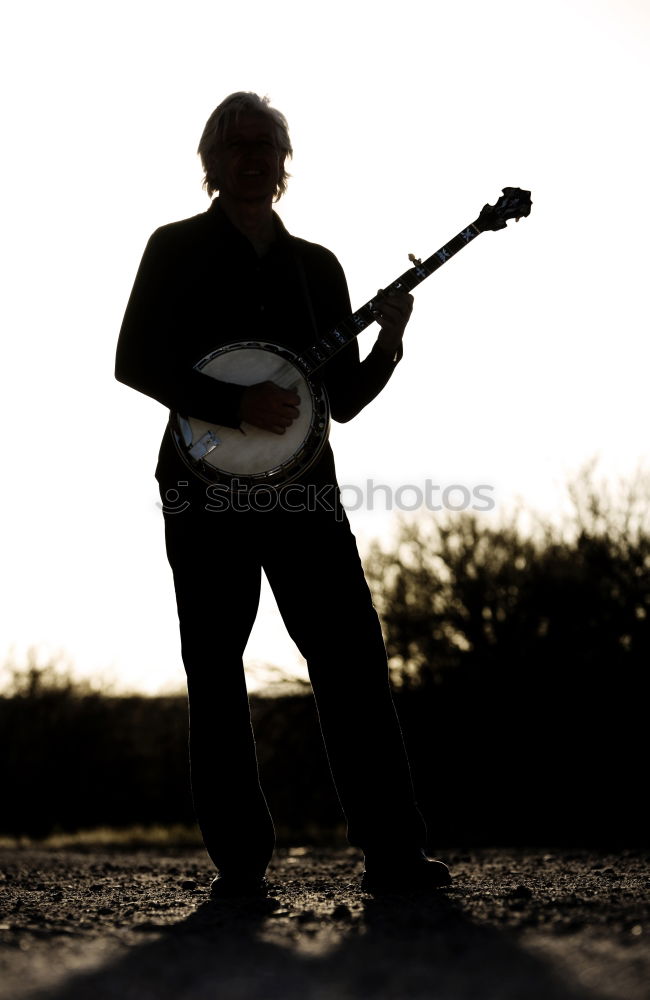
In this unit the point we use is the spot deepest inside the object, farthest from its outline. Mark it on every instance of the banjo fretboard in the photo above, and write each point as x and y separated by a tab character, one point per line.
514	203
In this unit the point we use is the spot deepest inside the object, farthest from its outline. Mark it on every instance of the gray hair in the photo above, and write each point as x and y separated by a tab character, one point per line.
229	110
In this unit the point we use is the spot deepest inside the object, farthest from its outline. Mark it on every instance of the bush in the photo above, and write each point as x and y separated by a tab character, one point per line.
521	656
77	758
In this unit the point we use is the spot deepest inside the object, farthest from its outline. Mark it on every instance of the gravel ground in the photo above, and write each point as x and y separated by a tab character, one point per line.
515	925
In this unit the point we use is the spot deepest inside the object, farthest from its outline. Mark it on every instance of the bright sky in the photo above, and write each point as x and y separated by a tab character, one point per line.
526	355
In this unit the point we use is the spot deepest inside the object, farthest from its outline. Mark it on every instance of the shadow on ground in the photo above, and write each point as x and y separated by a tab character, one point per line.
389	948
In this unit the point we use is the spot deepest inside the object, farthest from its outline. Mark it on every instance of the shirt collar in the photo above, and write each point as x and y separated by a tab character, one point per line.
228	230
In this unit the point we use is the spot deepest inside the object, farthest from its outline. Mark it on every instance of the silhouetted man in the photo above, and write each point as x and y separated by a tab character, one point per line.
235	273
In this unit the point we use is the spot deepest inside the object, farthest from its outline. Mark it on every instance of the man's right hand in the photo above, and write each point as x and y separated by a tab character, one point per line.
269	407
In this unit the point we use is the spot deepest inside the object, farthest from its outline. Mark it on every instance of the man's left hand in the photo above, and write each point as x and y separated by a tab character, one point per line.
392	312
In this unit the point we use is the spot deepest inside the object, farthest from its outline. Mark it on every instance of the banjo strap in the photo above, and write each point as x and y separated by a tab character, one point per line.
300	267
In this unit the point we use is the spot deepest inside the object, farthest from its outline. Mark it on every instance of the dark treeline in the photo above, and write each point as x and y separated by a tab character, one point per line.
75	758
519	653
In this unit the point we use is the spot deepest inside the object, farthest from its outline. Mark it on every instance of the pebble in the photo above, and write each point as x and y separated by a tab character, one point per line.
521	892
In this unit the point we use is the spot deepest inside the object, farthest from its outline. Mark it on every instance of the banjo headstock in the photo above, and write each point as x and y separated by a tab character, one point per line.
513	204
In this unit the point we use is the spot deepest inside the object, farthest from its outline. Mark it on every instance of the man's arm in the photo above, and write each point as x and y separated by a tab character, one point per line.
148	357
350	382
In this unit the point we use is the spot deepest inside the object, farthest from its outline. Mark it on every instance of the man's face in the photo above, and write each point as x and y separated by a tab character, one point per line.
249	162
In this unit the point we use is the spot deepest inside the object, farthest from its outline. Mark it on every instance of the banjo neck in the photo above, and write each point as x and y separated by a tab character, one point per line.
514	203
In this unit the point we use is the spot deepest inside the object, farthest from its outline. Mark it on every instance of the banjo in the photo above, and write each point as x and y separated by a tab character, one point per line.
247	456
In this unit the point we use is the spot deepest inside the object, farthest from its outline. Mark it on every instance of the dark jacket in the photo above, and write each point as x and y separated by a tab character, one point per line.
200	285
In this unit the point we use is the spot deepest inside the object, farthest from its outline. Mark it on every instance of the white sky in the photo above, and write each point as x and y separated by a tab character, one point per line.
526	355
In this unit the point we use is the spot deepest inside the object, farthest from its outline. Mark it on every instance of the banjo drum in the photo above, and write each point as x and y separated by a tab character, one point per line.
248	456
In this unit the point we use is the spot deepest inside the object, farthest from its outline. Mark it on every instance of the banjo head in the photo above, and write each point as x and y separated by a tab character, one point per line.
247	456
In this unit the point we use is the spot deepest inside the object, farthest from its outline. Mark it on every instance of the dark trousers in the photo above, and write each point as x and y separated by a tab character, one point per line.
311	561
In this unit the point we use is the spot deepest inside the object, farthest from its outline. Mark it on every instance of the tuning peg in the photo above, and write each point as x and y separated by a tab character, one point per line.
414	259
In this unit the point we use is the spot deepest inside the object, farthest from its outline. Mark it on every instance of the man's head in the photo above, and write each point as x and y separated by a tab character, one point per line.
245	142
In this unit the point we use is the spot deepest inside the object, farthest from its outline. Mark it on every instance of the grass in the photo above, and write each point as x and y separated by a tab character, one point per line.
160	836
176	835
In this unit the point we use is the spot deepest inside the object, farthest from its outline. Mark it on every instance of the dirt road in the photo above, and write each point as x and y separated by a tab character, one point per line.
138	925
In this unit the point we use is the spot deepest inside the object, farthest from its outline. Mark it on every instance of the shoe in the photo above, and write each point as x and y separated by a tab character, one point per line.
417	873
238	887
